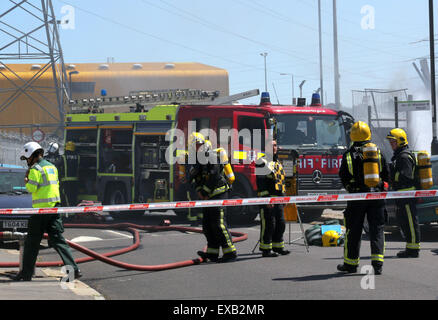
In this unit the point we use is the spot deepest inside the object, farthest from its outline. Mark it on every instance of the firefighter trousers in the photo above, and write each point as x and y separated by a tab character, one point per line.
272	227
407	217
52	224
354	217
215	229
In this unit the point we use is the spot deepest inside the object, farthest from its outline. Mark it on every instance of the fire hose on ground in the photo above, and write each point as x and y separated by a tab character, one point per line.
387	195
133	229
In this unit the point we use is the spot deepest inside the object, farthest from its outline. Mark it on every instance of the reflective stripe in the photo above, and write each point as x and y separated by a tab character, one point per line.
219	191
278	245
377	257
397	175
427	180
213	250
43	174
350	164
371	176
48	183
34	183
353	262
230	247
48	200
411	223
414	246
263	193
230	175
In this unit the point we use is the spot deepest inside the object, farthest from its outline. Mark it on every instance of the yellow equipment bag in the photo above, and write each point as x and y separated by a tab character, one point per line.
371	165
330	238
424	170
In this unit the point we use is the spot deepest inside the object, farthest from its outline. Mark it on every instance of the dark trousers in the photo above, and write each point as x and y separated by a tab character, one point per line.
272	227
52	224
407	217
354	217
69	193
215	229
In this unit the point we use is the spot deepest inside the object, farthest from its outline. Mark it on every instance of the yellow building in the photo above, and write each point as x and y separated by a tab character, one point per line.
88	79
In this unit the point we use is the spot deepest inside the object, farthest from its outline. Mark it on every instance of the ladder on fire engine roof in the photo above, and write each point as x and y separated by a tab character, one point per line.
144	100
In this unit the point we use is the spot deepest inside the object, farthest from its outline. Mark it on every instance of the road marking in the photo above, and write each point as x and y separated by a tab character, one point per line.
120	234
85	239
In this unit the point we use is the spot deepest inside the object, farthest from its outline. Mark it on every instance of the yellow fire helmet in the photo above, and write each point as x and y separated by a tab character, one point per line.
360	131
195	138
70	146
399	135
330	238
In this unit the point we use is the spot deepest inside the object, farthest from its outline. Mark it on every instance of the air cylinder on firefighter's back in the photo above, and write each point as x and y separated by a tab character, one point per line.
371	165
424	170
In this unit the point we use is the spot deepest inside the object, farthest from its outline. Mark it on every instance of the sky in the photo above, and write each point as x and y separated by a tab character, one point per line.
377	40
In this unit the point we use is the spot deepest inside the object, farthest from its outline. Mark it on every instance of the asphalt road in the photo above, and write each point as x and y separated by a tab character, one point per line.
298	276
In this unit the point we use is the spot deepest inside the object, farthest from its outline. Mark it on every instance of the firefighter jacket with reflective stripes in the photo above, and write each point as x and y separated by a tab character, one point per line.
270	178
43	184
403	169
351	170
210	179
69	166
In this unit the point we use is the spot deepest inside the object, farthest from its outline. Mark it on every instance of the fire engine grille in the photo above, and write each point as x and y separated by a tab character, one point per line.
305	182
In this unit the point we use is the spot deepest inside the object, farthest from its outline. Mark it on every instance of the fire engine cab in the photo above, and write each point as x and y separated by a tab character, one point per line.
311	142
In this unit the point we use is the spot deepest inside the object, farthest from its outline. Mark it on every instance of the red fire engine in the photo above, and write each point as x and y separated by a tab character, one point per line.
319	136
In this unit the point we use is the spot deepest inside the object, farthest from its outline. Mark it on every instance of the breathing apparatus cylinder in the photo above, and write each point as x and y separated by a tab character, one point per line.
371	165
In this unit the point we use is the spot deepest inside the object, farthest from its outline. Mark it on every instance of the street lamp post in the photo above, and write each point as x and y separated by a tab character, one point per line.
264	54
293	92
301	88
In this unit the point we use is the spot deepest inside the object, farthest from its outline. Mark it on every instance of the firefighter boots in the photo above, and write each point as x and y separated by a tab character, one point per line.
408	254
281	251
347	268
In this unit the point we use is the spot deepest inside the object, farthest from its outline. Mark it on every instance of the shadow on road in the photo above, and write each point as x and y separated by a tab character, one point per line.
319	277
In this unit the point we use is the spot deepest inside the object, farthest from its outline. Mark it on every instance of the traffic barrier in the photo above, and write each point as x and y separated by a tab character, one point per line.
389	195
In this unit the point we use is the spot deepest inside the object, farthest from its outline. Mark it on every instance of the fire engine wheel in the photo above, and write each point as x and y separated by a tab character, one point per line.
241	215
117	195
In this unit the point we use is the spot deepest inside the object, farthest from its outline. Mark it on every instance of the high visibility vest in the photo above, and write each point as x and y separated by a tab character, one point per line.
44	185
272	184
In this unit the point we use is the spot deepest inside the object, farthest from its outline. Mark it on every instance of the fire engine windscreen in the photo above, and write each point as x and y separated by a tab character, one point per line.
316	131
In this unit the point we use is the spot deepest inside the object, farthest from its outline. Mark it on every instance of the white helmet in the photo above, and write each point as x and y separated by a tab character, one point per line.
28	149
53	147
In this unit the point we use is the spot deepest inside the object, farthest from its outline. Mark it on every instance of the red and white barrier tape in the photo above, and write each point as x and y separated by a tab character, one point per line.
390	195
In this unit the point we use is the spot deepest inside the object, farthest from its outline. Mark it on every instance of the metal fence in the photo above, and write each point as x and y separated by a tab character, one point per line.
377	108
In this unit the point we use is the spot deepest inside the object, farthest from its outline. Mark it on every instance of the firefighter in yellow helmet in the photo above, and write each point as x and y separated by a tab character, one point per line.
42	181
403	169
69	175
353	179
211	182
271	183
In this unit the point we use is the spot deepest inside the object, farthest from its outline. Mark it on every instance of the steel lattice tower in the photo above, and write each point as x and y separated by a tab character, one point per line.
29	32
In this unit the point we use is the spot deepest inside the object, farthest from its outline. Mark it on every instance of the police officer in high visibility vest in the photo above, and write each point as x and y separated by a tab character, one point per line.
403	169
42	181
211	178
68	172
271	183
354	177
